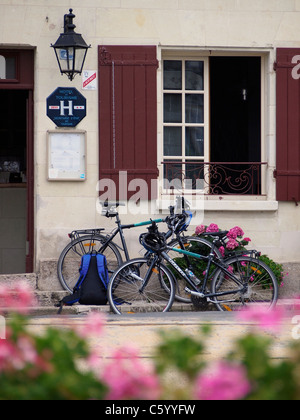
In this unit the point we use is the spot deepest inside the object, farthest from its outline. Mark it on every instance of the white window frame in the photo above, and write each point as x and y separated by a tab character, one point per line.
183	91
265	202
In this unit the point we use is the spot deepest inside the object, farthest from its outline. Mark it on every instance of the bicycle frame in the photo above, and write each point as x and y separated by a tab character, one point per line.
210	259
180	202
119	231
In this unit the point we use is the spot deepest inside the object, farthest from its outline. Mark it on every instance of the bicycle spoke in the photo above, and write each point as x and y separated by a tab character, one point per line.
258	284
134	289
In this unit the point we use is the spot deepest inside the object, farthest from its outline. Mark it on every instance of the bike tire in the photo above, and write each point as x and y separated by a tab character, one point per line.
70	259
124	289
197	245
262	287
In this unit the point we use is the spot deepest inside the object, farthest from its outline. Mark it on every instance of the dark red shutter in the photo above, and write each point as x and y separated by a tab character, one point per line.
288	125
128	116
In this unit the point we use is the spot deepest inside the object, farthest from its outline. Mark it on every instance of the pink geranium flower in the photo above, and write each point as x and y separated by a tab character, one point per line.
200	229
19	298
235	232
128	378
212	228
263	317
17	355
223	382
232	244
222	251
94	325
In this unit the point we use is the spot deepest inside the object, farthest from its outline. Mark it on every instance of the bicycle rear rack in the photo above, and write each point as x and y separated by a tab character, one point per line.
253	254
79	233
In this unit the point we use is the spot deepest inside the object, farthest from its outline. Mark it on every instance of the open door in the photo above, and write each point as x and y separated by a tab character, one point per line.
235	92
30	185
16	161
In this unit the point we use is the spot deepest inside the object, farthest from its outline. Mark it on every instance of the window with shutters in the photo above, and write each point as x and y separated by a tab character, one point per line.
212	125
210	140
287	172
128	121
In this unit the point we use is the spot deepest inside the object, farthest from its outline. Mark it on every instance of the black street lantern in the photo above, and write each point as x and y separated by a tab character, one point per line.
70	49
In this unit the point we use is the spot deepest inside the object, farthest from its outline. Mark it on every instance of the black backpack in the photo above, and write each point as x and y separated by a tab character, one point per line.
91	287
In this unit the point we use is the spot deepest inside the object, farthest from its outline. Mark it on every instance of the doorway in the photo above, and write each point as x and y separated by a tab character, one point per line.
235	109
14	138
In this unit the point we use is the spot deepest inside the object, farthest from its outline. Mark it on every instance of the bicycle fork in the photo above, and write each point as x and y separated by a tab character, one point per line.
145	281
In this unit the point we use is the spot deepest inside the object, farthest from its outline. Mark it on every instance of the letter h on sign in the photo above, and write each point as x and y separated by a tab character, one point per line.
63	107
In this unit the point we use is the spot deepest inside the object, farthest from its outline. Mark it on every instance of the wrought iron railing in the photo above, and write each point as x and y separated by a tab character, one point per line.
215	178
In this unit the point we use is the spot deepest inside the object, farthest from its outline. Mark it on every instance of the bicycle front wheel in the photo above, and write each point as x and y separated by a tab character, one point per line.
70	259
251	282
135	287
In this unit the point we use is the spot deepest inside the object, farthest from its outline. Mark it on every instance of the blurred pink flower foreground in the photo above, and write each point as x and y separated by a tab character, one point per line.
266	319
128	378
223	382
19	297
94	325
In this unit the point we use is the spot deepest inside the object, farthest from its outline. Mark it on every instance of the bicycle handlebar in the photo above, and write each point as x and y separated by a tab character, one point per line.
176	220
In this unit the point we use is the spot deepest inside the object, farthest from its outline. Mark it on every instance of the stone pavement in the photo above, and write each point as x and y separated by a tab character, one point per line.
141	331
77	309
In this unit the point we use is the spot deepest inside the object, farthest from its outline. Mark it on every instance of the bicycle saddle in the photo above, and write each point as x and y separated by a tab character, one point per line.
111	203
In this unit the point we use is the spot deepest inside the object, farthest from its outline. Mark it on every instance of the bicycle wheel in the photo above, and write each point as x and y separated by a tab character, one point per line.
70	259
127	292
198	246
255	281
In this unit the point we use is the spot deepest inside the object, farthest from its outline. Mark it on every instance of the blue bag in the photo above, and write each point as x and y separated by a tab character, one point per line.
91	287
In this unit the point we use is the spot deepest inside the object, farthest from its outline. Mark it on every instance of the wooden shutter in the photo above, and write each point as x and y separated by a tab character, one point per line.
128	116
288	124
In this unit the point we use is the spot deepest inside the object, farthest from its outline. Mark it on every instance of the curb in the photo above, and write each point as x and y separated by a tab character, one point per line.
288	304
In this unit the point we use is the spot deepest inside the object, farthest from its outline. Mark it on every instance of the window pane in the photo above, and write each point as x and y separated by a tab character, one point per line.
172	75
2	67
172	108
10	68
194	109
194	71
194	141
172	141
7	67
194	173
173	175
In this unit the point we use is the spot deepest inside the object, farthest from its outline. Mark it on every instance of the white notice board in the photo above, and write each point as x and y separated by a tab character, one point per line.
66	155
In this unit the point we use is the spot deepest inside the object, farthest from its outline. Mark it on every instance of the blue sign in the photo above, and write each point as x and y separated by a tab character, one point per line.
66	107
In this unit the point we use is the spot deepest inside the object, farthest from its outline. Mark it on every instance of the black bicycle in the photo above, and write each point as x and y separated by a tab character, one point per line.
150	283
95	240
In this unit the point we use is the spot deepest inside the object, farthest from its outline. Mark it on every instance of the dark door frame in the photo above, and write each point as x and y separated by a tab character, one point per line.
30	186
24	80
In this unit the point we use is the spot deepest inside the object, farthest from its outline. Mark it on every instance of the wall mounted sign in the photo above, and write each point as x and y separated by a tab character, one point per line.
66	155
66	107
89	80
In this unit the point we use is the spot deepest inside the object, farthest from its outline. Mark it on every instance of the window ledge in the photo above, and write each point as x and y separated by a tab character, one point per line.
240	205
223	204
